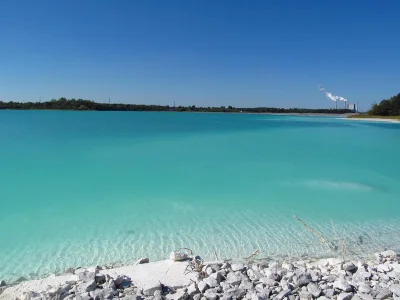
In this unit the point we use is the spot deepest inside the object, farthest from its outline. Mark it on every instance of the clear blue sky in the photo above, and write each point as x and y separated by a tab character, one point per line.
201	52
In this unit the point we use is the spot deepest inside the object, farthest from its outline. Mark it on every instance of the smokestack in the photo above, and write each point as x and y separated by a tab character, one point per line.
332	97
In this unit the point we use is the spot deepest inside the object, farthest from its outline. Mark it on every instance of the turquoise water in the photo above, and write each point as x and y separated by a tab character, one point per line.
85	188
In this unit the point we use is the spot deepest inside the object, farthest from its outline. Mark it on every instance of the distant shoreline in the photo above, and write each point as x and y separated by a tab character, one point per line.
88	105
311	114
374	118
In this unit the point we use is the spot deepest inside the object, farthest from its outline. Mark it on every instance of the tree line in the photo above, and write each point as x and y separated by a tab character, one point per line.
387	107
80	104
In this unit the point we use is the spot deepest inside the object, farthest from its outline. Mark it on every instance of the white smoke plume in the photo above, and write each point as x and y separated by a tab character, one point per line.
330	96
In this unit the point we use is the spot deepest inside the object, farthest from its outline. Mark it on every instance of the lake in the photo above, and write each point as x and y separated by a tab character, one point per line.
96	188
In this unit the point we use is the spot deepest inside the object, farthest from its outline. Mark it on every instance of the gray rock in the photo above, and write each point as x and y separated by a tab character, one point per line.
132	297
87	286
384	294
150	288
283	294
275	277
231	278
393	275
236	292
254	274
303	279
269	282
314	289
237	267
83	296
305	295
2	283
86	276
178	295
143	260
365	296
225	286
103	293
288	266
330	293
384	277
395	289
364	288
246	285
350	267
211	282
210	295
178	256
323	298
342	284
224	297
120	280
203	286
225	265
345	296
100	278
197	297
264	293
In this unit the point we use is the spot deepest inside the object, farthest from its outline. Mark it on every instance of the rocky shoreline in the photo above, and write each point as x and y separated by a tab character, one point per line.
185	277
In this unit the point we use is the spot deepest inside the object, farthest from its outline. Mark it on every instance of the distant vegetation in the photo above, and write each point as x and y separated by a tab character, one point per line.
387	107
79	104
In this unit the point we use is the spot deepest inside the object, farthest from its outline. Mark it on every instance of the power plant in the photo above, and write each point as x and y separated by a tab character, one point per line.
353	107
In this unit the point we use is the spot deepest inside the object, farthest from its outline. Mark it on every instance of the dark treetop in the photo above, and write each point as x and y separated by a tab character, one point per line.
387	107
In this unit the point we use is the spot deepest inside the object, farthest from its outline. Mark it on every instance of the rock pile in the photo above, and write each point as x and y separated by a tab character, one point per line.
321	279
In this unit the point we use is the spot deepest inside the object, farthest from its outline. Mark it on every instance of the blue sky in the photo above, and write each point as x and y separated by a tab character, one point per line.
204	53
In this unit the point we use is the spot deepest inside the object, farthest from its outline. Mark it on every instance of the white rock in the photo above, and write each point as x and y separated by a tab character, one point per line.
335	261
384	294
395	267
211	281
288	266
382	268
246	285
314	289
387	254
178	256
192	289
203	286
179	295
210	295
237	267
395	289
364	287
365	296
209	271
305	295
231	278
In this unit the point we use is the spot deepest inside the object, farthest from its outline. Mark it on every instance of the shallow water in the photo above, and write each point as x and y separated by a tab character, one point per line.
85	188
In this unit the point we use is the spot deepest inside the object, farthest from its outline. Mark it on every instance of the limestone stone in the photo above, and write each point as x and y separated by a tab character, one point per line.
342	284
314	289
